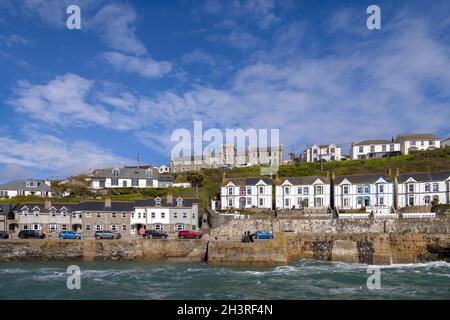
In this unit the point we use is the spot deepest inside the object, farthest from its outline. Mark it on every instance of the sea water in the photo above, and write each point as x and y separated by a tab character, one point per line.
303	279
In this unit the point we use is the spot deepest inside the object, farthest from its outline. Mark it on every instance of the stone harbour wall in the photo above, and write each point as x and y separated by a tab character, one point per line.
369	248
98	250
234	229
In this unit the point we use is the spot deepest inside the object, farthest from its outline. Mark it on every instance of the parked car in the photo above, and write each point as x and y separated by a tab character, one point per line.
100	235
69	235
155	234
4	235
185	234
263	235
31	234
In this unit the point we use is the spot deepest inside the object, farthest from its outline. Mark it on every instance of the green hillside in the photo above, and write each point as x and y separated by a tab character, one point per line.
436	160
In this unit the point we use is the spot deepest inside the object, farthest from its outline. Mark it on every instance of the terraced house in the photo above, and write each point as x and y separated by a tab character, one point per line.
418	189
166	214
47	217
374	191
105	215
242	193
299	192
130	177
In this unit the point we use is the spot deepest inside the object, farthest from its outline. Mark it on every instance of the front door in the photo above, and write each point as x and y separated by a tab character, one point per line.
241	202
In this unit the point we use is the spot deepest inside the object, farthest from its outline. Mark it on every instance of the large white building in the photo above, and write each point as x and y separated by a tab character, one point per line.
166	214
325	152
130	177
417	142
418	189
17	188
240	193
368	149
362	191
229	157
298	192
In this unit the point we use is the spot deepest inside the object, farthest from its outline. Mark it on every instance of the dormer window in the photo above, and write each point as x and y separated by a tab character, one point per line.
149	173
36	213
179	202
25	212
31	184
115	172
53	213
158	201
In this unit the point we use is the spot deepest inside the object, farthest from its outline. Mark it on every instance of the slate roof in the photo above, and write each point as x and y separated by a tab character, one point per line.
125	173
417	136
246	181
21	185
187	203
58	206
300	181
6	208
100	206
361	178
424	176
371	142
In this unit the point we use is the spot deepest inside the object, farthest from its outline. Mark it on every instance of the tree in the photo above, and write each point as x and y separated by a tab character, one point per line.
196	180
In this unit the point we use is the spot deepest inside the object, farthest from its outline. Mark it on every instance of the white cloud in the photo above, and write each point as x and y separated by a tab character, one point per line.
56	156
144	66
13	40
114	22
62	101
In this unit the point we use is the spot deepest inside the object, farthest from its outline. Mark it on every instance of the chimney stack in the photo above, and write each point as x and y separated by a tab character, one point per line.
108	203
169	198
48	204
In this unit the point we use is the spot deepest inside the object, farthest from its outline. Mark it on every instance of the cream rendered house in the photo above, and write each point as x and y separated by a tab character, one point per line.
240	193
298	192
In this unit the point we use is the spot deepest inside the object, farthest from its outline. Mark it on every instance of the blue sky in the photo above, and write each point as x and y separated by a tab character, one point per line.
75	100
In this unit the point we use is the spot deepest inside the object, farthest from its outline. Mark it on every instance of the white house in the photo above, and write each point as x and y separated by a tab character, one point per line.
17	188
134	177
246	193
417	142
362	191
445	143
418	189
163	169
327	152
298	192
166	214
374	149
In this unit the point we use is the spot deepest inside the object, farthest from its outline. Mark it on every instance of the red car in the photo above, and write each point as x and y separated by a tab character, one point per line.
189	235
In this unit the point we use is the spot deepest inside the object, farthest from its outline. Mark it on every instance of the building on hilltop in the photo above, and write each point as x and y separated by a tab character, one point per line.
369	149
325	152
17	188
130	177
417	142
229	157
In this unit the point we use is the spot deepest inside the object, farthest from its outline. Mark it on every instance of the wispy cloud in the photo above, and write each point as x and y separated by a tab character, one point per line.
144	66
55	155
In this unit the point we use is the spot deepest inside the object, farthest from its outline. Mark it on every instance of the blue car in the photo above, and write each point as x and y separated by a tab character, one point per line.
263	235
69	235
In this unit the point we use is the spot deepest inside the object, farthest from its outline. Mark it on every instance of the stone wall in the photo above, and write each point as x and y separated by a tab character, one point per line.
233	229
151	250
352	248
